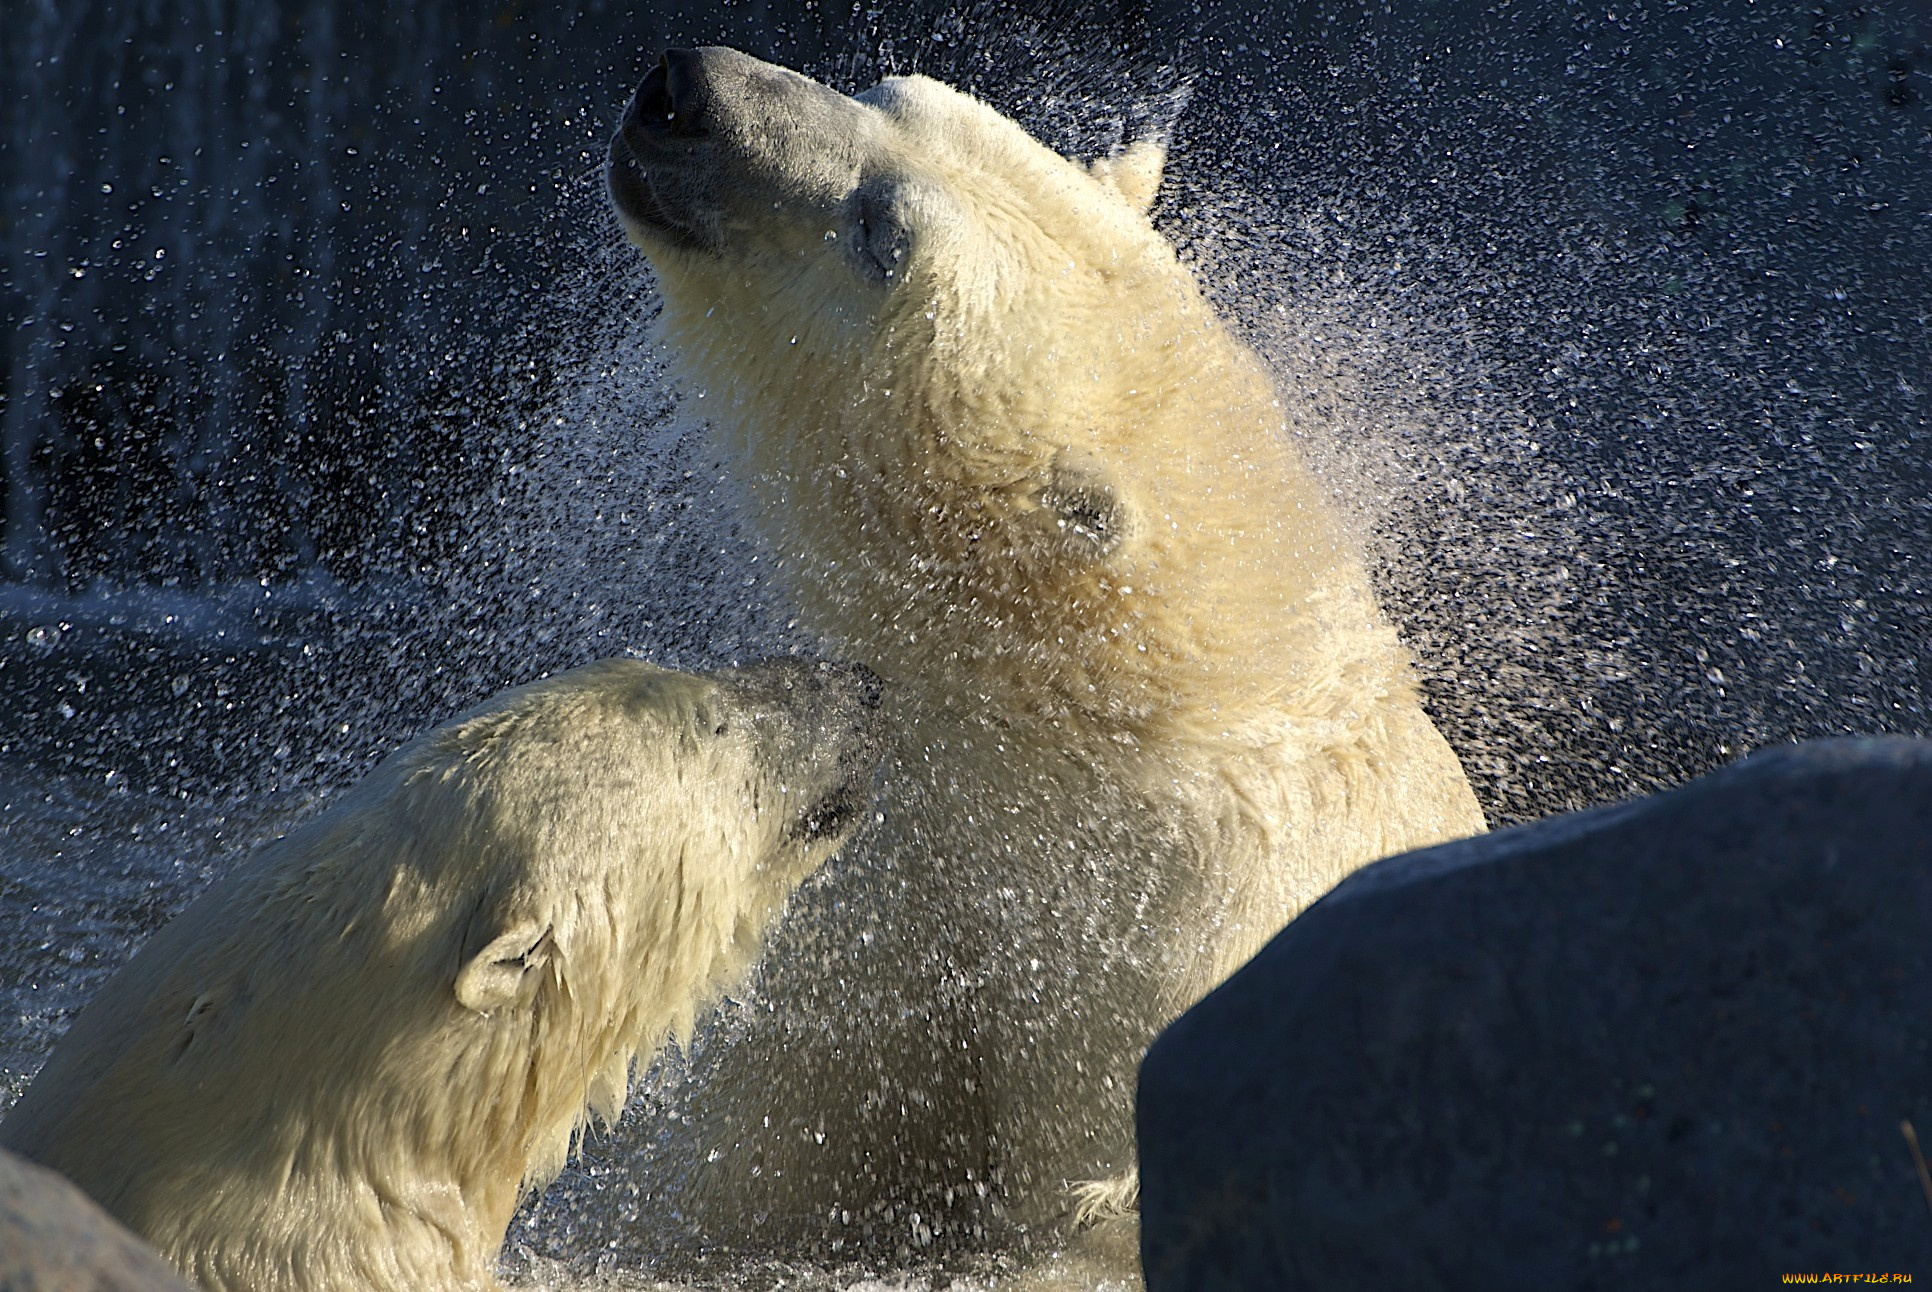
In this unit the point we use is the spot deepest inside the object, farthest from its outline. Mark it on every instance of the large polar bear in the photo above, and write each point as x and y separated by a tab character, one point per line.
340	1067
1145	707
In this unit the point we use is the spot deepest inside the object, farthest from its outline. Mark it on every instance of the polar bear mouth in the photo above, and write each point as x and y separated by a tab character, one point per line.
667	116
637	202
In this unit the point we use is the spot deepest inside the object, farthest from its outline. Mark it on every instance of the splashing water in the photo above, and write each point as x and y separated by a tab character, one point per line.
1608	336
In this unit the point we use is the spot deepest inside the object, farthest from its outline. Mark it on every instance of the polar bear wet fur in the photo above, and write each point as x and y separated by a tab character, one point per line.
343	1064
1144	704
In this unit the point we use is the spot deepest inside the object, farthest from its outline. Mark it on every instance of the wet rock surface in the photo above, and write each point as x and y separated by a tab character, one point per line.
54	1238
1668	1043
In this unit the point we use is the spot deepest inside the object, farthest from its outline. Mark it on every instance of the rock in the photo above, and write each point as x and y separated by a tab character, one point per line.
54	1238
1664	1044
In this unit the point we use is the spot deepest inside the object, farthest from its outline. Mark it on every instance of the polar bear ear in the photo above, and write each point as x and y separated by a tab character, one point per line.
1134	169
505	970
1134	172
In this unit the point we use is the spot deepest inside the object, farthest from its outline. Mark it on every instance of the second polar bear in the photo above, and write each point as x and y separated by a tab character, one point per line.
1145	706
341	1066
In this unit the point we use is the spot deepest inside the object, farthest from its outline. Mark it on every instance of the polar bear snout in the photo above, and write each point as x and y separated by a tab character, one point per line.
713	140
821	722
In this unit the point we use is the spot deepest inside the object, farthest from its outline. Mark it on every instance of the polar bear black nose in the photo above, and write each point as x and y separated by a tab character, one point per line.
671	100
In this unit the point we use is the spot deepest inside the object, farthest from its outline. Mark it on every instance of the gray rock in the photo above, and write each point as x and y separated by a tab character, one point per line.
1659	1045
54	1238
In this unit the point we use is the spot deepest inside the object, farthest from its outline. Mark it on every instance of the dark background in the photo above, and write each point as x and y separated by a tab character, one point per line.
1610	323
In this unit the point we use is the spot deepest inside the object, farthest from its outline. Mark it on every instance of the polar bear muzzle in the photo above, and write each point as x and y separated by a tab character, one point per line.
816	699
713	138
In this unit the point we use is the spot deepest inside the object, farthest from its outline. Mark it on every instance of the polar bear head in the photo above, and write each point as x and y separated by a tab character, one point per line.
349	1055
988	417
905	247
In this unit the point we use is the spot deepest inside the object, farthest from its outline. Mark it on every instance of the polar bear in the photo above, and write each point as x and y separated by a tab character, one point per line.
343	1063
1144	704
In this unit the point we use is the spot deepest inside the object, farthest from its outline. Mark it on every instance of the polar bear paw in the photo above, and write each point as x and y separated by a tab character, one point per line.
1095	1201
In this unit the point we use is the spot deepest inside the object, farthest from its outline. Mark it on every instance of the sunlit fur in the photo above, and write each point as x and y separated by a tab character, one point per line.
1123	761
284	1089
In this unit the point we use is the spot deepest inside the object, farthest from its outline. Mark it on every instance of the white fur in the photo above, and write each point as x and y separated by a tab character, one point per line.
1147	706
341	1065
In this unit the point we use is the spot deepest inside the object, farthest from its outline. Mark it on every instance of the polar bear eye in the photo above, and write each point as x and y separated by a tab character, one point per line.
881	242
